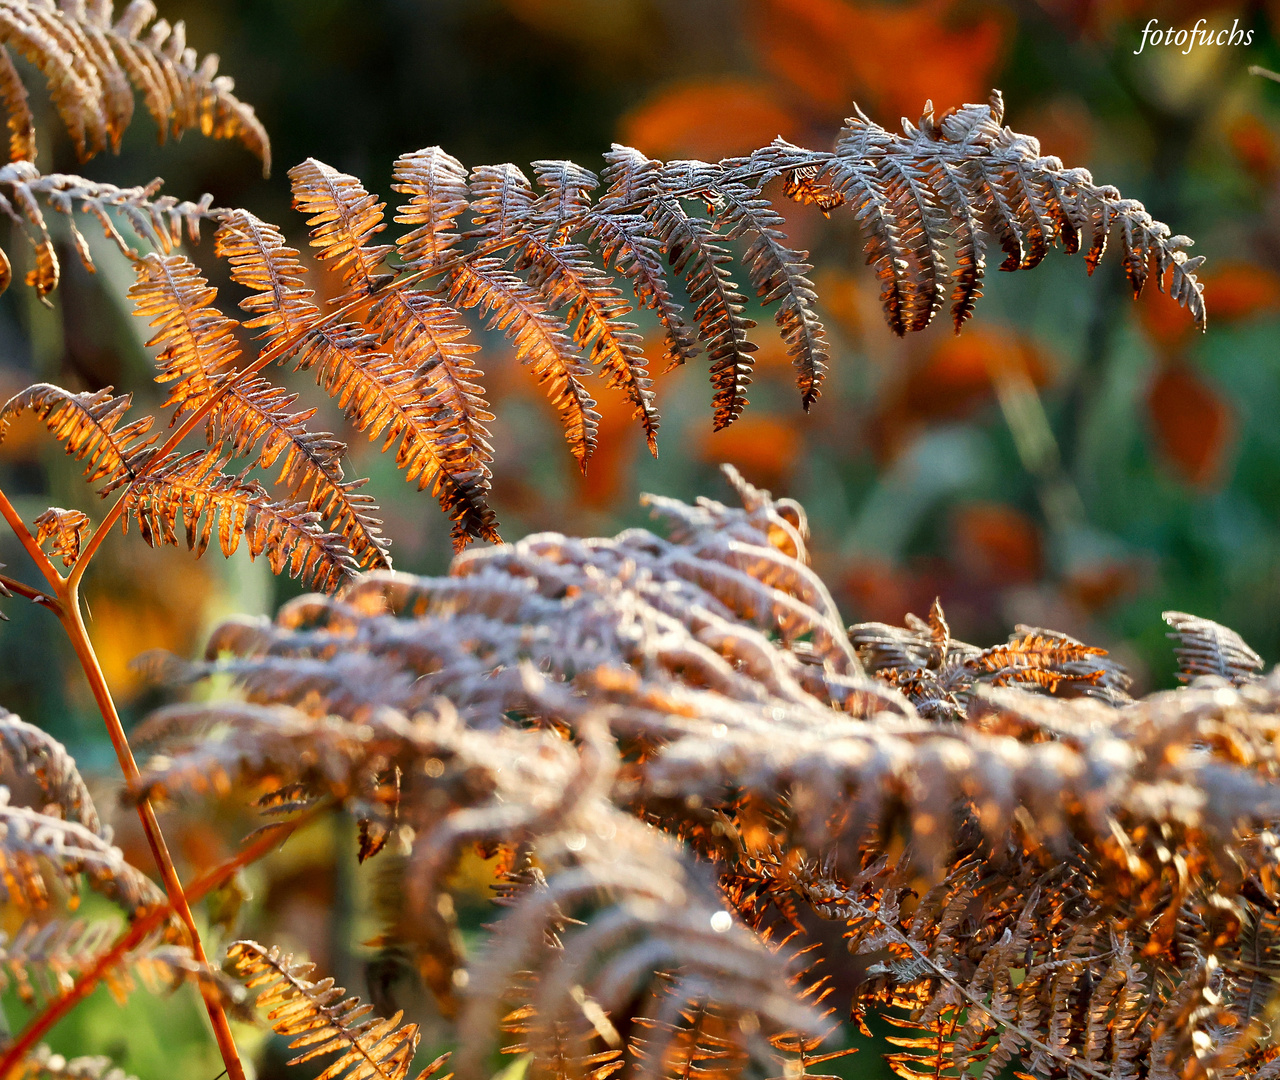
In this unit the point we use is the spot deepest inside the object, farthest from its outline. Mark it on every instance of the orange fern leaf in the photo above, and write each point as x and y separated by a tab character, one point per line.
88	424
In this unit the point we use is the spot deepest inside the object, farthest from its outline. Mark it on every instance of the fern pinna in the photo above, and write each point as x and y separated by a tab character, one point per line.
719	822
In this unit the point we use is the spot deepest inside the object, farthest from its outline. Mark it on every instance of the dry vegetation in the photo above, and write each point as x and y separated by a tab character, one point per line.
721	821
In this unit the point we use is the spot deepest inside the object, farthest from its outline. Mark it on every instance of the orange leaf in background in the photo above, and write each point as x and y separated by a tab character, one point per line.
1192	424
952	380
996	544
890	57
1237	290
1254	145
1064	125
1165	321
843	298
1096	586
764	447
708	118
957	372
607	479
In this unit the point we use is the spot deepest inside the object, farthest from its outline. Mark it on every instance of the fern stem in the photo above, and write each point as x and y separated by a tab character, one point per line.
137	932
28	541
73	623
36	596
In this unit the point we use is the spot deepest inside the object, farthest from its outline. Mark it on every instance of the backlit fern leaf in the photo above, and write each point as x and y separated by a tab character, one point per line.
321	1021
197	342
540	338
391	389
88	424
64	530
191	492
89	61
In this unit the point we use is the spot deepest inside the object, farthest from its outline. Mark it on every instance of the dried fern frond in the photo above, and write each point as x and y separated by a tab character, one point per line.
1209	648
688	766
42	960
88	423
65	531
160	220
38	848
44	1064
191	492
89	61
29	751
321	1021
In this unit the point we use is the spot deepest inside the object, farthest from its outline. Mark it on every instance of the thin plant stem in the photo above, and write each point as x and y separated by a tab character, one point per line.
36	596
132	937
28	541
73	623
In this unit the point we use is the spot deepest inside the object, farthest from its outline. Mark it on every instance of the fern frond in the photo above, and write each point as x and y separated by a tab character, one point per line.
566	277
396	387
66	529
779	276
44	1064
161	220
689	244
320	1021
193	493
88	424
42	960
540	338
32	752
254	419
89	62
13	95
33	844
197	342
1209	648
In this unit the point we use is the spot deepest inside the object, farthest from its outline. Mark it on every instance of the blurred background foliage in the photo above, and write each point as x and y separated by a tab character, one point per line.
1073	459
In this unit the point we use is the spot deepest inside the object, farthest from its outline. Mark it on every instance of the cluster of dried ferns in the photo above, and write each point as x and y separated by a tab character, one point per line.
720	822
684	764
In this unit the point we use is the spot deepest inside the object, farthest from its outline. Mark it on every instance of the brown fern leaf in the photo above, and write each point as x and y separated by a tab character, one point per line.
377	394
37	848
41	961
565	275
541	340
321	1021
691	250
192	492
88	424
67	529
31	752
197	342
1209	648
966	179
779	275
254	419
621	232
22	125
343	218
89	62
161	220
403	388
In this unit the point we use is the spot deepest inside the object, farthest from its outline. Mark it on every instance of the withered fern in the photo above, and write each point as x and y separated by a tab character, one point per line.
683	758
701	788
